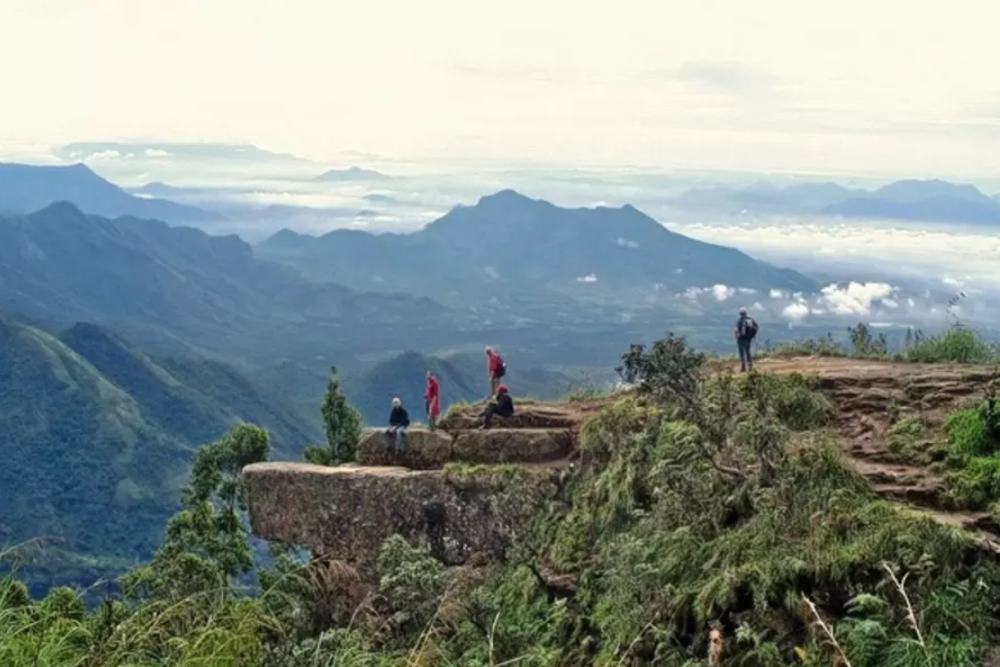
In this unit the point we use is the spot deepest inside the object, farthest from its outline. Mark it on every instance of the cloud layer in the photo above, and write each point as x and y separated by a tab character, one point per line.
948	256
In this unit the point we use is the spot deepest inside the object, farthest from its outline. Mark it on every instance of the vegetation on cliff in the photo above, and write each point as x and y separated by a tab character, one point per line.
957	344
702	501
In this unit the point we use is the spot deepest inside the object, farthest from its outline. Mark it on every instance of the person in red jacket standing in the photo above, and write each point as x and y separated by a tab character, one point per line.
432	398
496	369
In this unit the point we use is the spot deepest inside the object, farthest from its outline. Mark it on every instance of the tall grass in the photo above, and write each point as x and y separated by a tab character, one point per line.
957	344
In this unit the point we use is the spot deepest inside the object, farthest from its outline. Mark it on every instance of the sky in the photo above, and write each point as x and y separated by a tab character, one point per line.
891	88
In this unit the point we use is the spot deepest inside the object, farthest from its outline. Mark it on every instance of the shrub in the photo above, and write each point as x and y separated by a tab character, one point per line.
957	345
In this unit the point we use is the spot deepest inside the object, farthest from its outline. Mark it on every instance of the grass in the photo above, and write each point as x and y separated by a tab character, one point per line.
957	344
974	456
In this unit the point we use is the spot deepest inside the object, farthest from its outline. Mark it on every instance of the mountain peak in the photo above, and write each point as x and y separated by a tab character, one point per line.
61	209
351	174
25	188
509	198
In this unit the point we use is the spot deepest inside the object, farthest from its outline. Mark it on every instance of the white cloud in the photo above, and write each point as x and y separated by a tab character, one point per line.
693	292
103	155
923	251
856	298
155	152
890	303
778	294
795	311
722	292
625	243
592	278
746	290
911	303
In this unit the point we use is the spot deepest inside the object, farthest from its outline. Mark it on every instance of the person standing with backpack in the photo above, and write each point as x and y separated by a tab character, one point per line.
496	369
745	332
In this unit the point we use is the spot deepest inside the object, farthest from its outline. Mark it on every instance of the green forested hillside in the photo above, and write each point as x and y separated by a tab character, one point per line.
98	438
196	399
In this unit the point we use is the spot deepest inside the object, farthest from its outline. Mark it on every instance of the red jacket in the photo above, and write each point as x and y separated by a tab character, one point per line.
494	362
432	395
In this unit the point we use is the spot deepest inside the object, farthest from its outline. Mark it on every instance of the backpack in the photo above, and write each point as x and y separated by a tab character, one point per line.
501	367
750	328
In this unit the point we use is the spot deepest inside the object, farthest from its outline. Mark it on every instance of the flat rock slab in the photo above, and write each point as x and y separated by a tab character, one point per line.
426	450
512	446
348	512
526	415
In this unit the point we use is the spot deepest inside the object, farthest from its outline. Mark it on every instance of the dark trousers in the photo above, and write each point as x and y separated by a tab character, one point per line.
746	357
395	438
489	413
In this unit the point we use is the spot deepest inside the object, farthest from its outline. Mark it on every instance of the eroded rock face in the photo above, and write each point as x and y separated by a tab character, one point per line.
348	512
426	450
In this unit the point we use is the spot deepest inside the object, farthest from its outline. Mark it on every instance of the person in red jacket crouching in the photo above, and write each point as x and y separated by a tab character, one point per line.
432	399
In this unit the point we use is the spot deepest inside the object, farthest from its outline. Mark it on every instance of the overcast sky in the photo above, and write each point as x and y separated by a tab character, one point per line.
859	86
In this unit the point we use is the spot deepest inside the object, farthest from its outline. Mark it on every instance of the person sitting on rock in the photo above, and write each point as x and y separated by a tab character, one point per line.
432	398
501	406
399	421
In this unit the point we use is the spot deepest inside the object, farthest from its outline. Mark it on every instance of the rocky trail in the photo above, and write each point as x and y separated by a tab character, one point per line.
348	511
872	398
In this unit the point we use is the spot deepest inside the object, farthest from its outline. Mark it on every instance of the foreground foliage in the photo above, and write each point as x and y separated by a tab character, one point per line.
701	503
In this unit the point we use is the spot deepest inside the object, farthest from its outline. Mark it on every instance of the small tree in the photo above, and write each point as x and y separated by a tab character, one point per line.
343	427
208	540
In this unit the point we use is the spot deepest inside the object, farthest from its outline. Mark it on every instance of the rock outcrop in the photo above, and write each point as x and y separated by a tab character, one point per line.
348	512
477	511
464	513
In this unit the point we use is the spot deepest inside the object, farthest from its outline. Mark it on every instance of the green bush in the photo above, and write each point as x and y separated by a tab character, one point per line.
958	345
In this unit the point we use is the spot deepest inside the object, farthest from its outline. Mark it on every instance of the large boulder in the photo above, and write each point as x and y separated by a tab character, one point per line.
512	446
425	450
527	414
431	450
462	515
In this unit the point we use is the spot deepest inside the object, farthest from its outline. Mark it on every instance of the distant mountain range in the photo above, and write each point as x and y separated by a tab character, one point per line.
929	200
350	174
98	436
26	188
510	247
180	289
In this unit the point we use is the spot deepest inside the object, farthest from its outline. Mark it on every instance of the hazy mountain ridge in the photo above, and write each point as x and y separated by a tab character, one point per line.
155	283
351	174
508	245
932	200
27	188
